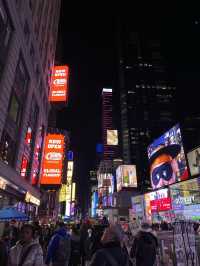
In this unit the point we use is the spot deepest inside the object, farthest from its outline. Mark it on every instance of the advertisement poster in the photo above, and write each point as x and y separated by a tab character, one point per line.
194	161
112	137
167	159
53	160
185	245
59	84
126	176
186	199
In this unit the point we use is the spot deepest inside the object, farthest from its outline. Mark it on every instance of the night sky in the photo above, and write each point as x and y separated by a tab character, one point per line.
90	56
86	43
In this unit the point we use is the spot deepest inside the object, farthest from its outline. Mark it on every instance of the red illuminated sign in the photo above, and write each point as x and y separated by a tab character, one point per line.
59	84
53	160
24	166
161	205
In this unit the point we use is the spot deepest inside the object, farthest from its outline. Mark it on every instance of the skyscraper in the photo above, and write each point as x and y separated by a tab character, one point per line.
147	93
28	37
110	137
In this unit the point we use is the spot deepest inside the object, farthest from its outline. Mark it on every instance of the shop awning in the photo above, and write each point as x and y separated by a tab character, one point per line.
7	214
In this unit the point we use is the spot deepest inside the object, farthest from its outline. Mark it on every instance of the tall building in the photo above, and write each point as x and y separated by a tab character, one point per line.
28	36
147	93
110	138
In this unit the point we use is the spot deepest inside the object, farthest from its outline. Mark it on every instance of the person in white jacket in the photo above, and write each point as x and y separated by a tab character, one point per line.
27	251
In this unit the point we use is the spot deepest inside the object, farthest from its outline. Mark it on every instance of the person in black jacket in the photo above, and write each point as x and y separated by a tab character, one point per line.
111	253
3	252
75	247
144	246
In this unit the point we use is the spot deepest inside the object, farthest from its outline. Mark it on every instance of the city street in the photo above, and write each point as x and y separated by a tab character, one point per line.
99	134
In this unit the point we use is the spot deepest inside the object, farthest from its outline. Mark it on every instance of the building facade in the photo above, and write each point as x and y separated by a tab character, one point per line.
109	134
146	91
28	36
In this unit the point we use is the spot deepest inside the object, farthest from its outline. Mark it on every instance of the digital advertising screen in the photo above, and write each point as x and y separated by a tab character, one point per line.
126	176
53	160
59	84
186	193
167	159
112	137
194	161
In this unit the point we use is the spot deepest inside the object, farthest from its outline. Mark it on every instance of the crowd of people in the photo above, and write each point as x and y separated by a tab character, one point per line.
81	244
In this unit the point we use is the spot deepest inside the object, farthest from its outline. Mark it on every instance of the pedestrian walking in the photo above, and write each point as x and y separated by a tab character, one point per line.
144	246
111	253
59	248
75	247
83	236
3	252
27	251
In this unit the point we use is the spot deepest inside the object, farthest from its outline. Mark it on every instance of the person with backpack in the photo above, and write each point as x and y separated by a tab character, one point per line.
111	253
59	248
27	251
144	246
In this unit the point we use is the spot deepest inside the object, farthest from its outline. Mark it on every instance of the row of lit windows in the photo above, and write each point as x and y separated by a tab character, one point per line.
155	87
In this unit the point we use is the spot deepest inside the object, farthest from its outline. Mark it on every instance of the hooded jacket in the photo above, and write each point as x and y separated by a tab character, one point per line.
34	257
144	248
112	249
54	246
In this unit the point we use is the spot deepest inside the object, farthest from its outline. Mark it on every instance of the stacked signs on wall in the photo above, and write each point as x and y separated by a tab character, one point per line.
184	241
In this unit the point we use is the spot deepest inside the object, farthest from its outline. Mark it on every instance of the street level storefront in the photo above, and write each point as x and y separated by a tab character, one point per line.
16	191
186	199
158	206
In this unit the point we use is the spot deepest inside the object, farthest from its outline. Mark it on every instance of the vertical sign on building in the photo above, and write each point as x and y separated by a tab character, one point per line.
53	160
59	84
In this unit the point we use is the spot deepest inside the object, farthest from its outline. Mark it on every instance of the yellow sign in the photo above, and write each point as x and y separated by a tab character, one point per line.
73	191
70	168
31	199
62	193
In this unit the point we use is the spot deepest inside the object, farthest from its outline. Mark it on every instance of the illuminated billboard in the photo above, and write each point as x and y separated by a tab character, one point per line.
70	167
73	191
126	176
194	161
53	160
59	84
112	137
167	159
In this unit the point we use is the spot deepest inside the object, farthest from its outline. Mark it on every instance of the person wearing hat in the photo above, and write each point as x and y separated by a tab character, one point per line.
111	253
144	246
163	168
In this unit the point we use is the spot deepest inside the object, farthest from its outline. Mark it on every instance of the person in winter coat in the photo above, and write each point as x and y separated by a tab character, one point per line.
3	252
27	251
59	248
111	253
144	246
75	247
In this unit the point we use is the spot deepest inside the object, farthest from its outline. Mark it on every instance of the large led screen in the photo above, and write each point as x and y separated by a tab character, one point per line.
167	159
112	137
126	176
53	160
194	161
59	84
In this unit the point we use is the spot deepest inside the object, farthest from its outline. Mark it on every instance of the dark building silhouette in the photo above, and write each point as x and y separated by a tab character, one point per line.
147	92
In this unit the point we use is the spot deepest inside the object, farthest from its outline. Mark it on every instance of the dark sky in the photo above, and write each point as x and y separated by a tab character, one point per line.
87	47
86	44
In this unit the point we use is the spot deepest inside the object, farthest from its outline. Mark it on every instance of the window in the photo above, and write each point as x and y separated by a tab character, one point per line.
14	109
32	53
21	77
26	31
5	34
7	149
